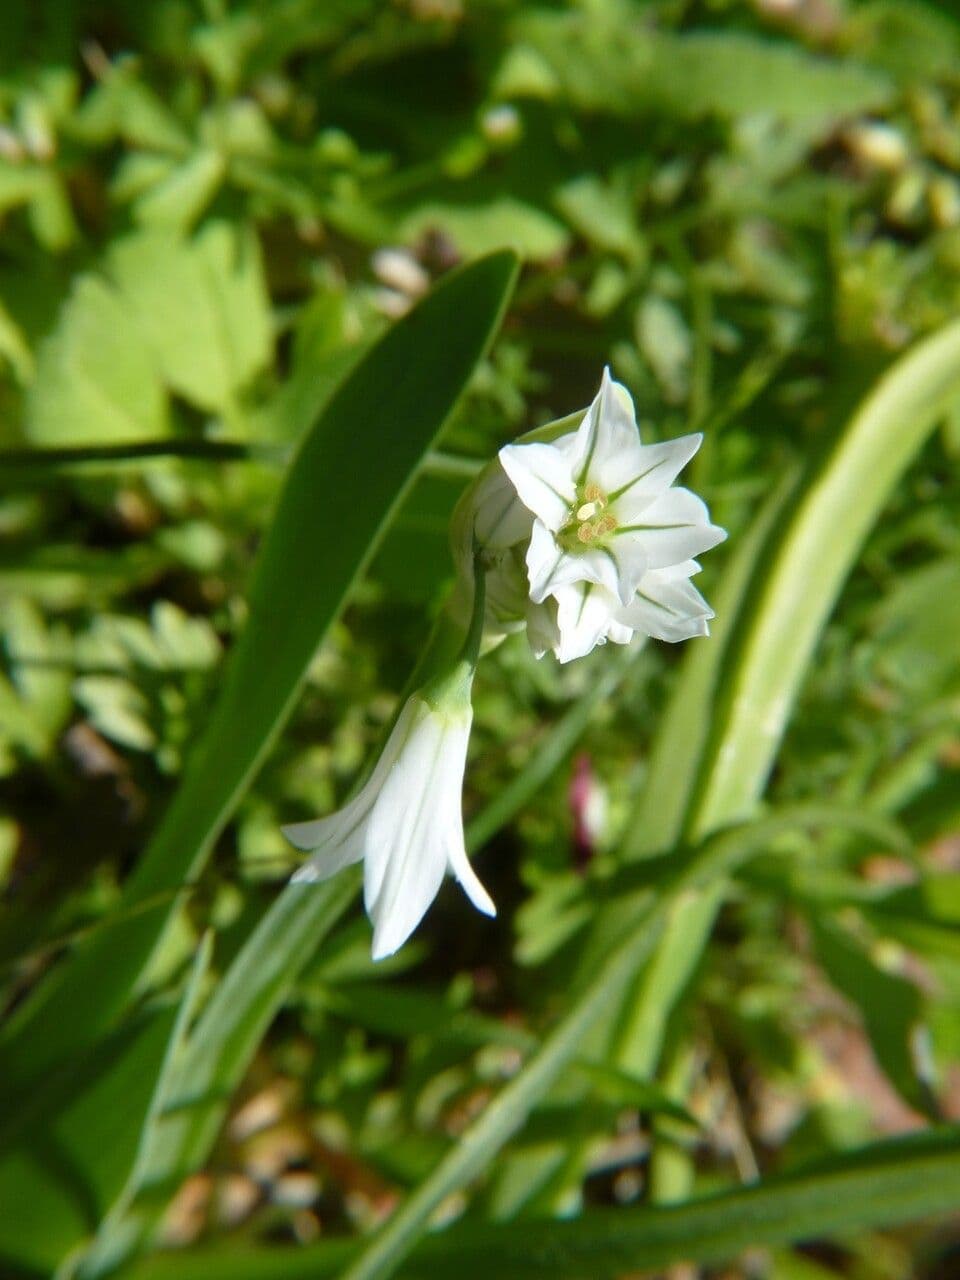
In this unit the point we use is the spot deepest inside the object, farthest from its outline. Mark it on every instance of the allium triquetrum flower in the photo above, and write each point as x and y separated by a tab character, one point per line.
612	540
405	824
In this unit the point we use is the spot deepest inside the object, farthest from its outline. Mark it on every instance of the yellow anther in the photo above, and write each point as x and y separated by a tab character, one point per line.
592	493
585	533
606	524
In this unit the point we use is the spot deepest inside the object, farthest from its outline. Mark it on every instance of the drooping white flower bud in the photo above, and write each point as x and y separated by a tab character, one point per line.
405	824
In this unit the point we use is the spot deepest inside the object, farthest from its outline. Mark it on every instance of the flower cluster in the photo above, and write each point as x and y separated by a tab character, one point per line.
575	534
587	539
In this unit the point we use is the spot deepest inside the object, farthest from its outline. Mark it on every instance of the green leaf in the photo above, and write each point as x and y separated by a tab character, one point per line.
777	632
478	228
178	200
817	547
96	382
657	822
889	1004
201	305
202	1075
390	409
607	64
74	1141
882	1185
504	1117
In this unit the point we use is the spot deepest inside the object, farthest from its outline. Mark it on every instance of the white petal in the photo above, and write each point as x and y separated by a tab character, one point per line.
659	465
543	632
584	615
403	796
620	633
673	528
608	448
469	881
629	555
404	902
542	477
668	607
544	558
419	859
499	518
415	818
329	860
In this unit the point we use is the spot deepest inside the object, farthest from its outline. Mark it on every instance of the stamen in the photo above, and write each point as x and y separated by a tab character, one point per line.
585	533
587	510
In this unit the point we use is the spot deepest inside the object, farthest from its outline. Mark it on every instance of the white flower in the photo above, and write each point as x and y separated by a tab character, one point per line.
405	825
612	541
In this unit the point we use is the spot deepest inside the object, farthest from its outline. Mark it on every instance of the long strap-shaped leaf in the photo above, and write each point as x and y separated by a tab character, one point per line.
890	1183
817	550
351	470
789	605
883	1185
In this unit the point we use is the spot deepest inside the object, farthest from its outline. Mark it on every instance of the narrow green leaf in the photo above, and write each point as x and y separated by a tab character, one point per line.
815	552
883	1185
114	1237
375	428
70	1142
657	822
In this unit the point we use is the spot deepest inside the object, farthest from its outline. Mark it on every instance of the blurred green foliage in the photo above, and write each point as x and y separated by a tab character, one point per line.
209	212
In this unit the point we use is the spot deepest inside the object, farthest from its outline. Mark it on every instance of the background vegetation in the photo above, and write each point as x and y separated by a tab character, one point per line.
717	1020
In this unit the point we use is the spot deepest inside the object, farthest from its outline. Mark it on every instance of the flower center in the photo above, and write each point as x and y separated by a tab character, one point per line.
589	519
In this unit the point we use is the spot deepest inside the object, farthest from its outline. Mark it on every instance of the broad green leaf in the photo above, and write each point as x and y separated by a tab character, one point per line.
603	213
201	305
178	200
608	64
96	382
123	106
478	228
917	624
321	536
